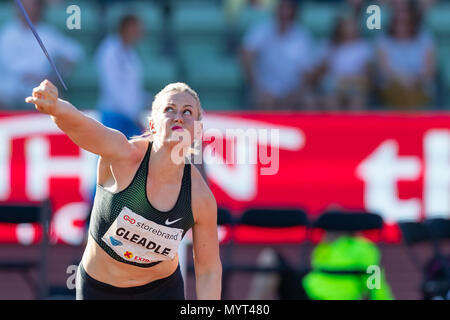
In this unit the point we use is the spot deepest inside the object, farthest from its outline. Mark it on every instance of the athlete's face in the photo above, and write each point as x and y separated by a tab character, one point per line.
175	118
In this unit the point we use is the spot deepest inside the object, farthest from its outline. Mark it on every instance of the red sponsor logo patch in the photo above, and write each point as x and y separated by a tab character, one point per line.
130	220
140	259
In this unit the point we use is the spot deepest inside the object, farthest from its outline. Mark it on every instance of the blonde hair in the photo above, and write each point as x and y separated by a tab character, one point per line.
177	87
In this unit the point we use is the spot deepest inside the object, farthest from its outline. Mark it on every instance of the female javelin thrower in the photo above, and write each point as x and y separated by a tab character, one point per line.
144	204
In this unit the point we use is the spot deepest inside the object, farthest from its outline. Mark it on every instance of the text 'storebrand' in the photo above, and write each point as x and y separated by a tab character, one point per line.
142	240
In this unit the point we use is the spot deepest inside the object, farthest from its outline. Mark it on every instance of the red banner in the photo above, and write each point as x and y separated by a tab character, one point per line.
396	165
38	161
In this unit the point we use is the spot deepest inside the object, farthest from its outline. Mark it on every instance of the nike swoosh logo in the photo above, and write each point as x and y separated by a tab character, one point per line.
172	222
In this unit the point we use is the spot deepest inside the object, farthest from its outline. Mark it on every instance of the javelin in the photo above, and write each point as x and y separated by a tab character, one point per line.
36	35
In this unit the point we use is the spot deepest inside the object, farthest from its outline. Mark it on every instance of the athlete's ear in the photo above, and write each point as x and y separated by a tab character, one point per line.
151	125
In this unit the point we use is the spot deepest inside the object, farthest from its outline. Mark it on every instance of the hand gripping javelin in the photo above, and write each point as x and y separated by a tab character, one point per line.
36	35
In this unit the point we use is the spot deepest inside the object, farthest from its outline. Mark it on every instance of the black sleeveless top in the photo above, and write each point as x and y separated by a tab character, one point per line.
131	230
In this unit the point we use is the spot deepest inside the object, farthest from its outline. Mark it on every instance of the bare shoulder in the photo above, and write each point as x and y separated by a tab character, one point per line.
133	158
136	151
204	204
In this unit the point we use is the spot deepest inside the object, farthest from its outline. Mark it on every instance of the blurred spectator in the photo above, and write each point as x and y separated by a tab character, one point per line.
426	4
339	251
357	7
22	62
346	68
406	59
422	5
122	96
277	60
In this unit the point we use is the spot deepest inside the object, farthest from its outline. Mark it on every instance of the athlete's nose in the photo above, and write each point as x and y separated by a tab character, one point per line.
178	118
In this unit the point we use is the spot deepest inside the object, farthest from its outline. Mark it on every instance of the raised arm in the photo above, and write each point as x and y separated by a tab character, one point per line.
83	130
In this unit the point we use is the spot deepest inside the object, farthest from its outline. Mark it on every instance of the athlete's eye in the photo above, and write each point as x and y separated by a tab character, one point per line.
168	109
189	112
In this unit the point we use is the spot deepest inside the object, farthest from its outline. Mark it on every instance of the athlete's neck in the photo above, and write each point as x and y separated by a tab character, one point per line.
164	160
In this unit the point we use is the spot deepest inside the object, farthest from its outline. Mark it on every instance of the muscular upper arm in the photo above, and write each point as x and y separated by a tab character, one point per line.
90	134
204	232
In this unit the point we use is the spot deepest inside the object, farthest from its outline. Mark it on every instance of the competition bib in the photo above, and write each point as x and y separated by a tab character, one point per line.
137	239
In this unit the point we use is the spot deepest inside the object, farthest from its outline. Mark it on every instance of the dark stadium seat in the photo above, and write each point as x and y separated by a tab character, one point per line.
281	218
280	225
439	228
432	230
224	217
259	218
435	269
413	232
17	213
270	224
348	221
263	219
